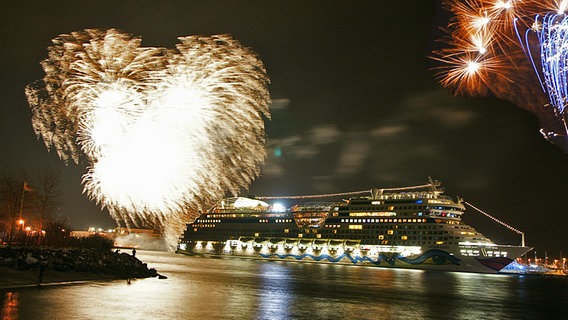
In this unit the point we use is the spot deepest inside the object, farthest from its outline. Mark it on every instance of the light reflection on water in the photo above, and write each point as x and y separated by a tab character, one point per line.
207	288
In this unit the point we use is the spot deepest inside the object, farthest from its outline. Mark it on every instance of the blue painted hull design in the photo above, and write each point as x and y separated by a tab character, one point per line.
436	257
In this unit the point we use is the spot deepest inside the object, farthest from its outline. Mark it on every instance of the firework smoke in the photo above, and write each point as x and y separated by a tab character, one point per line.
164	132
514	49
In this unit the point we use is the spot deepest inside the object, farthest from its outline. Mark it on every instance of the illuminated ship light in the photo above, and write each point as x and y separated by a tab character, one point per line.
424	230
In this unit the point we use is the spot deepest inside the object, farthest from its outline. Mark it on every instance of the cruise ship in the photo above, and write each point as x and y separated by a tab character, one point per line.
410	227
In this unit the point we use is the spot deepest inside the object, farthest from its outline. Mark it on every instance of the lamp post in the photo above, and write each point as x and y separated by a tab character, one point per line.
22	202
21	224
27	234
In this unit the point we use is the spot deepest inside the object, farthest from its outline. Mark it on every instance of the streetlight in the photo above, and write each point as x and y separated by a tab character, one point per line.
27	234
21	224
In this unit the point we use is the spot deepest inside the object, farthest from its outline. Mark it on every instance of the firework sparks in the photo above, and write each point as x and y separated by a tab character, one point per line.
164	132
517	50
552	34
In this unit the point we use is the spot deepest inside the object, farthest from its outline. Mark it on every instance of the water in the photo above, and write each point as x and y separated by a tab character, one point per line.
208	288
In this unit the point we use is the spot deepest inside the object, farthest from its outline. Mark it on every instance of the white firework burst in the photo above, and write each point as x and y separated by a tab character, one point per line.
164	132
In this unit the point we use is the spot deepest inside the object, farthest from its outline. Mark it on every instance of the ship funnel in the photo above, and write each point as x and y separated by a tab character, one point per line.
376	192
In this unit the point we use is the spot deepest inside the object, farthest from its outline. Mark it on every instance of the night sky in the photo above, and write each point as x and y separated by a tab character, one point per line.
355	105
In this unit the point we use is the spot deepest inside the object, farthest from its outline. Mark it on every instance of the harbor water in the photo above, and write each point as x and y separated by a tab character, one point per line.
215	288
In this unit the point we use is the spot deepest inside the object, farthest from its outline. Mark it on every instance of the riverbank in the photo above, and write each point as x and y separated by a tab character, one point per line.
12	278
33	266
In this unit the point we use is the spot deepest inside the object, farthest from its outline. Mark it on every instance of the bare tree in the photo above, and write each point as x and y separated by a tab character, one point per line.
47	197
11	204
32	199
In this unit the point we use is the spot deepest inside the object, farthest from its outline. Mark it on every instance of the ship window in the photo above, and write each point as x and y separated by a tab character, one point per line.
194	229
286	230
381	237
404	237
390	232
256	234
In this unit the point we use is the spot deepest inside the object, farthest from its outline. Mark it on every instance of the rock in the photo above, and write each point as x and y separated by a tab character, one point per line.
74	259
30	259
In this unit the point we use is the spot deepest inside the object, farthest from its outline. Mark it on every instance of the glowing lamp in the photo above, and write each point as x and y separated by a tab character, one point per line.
278	207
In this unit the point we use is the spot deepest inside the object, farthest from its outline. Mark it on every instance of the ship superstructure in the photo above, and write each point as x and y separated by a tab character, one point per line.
410	227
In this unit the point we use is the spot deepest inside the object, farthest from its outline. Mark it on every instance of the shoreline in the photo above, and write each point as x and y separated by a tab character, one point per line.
25	267
13	279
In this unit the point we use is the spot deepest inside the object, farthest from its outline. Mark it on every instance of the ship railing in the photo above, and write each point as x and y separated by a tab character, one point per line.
325	208
412	195
274	215
229	211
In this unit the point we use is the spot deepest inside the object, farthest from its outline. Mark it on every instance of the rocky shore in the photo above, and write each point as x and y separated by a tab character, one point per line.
24	266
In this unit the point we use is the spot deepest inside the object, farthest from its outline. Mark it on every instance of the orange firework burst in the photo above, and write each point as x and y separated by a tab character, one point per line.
484	53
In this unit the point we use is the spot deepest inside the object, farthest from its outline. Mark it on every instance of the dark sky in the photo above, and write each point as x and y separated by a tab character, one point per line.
356	105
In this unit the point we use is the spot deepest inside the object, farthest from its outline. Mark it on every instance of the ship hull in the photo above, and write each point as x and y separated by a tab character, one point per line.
443	258
413	228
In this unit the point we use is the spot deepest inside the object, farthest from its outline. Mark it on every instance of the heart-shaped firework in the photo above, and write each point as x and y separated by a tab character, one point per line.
165	132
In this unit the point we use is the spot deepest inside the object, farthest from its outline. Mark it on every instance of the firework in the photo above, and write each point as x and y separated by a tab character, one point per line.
552	34
164	132
514	49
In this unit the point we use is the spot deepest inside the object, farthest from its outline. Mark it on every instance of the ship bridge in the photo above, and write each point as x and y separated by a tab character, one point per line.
311	215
